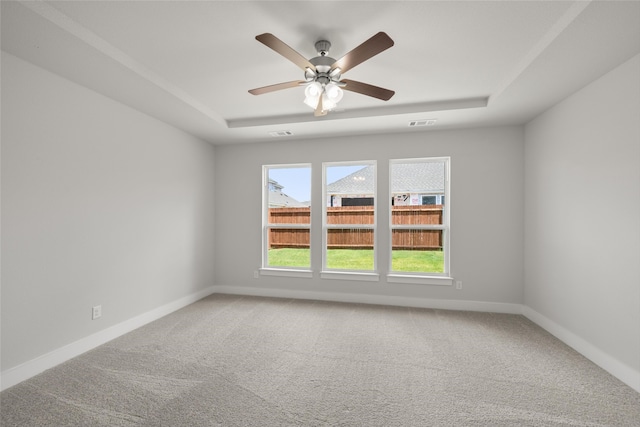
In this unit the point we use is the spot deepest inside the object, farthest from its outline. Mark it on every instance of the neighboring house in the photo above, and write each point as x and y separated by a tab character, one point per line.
278	199
412	184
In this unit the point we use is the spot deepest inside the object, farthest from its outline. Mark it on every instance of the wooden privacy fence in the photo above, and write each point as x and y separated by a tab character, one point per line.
354	238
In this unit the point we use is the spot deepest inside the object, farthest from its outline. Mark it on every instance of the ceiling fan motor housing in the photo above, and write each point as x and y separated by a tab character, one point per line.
322	63
323	74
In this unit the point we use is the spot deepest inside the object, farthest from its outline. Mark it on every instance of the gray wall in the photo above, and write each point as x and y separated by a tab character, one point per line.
104	205
486	210
100	205
582	239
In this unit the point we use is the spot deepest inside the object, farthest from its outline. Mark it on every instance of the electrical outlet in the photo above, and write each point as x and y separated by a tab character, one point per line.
96	312
255	274
459	284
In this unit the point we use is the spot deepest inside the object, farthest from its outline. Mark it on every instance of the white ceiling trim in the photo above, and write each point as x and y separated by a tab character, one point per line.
423	107
90	38
87	36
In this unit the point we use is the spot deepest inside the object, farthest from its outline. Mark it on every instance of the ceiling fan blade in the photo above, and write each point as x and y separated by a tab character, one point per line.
319	110
370	48
367	89
279	86
283	49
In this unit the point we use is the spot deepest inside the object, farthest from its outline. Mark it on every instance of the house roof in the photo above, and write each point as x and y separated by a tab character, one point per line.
275	184
418	178
425	177
280	200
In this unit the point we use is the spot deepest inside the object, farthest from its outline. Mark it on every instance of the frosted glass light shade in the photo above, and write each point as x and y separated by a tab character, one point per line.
313	90
334	93
327	103
331	95
312	94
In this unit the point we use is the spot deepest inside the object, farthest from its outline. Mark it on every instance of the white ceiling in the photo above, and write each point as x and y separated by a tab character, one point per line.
191	63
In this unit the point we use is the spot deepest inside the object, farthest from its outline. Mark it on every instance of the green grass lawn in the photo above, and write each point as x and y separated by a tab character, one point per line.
418	261
350	259
358	259
289	257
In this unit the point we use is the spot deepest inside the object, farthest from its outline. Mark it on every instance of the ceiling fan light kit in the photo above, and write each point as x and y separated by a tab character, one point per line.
322	74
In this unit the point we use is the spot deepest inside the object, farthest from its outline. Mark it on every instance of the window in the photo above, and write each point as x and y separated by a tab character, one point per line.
418	232
419	218
357	201
286	217
433	200
349	218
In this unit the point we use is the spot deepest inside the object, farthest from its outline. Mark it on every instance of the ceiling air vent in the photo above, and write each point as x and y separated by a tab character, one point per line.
425	122
281	133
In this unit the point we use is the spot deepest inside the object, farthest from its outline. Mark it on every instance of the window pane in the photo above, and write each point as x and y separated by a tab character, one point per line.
419	217
418	251
287	202
289	195
289	247
350	204
350	249
417	190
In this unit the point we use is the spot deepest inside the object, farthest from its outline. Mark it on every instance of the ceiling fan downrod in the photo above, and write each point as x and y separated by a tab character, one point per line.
322	47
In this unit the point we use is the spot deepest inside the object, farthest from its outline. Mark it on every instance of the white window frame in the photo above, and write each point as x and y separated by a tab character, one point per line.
340	274
428	278
304	272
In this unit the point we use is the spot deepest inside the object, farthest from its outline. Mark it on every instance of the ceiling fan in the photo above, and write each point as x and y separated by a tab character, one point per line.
323	74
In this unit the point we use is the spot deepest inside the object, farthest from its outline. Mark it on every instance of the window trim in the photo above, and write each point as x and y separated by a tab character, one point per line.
417	278
426	278
359	275
286	271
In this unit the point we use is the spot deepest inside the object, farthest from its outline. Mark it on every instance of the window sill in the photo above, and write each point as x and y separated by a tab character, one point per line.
420	280
350	275
285	272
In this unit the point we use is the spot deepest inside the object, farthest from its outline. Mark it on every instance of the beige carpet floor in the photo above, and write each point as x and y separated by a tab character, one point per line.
248	361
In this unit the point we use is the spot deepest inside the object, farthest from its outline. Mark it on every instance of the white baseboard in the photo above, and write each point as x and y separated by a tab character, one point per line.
33	367
623	372
493	307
